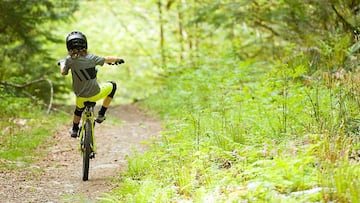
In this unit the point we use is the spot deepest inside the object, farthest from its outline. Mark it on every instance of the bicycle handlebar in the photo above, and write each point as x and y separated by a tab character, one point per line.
117	62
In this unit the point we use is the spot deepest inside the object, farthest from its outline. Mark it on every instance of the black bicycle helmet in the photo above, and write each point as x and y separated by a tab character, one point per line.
76	40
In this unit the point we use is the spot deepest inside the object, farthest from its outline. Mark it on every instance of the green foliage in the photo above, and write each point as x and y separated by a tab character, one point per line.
26	31
250	131
22	34
260	102
345	179
265	28
21	135
24	127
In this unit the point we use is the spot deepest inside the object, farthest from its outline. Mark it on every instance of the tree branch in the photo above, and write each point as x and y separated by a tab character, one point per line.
343	20
21	86
261	24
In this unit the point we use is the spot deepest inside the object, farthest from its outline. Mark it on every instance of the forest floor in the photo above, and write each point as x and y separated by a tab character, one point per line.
57	175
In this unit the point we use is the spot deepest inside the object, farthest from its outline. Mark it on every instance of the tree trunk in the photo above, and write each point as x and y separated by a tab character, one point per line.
181	32
162	40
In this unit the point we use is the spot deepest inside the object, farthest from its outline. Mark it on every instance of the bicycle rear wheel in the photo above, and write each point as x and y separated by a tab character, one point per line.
87	149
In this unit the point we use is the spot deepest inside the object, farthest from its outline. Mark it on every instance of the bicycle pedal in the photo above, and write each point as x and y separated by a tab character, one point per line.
92	155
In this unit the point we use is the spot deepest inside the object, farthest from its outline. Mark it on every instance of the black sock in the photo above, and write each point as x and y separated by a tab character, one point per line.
102	110
75	126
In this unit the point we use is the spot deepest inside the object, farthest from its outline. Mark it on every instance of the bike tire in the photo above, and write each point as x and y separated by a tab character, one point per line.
87	149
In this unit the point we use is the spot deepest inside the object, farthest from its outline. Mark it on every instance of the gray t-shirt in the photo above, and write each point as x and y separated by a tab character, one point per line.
84	74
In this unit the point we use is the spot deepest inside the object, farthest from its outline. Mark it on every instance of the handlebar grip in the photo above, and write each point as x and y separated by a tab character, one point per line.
117	62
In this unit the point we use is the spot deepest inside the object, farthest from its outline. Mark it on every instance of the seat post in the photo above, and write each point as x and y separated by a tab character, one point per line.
90	106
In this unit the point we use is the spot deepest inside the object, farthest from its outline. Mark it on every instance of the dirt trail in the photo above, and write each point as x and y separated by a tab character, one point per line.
56	177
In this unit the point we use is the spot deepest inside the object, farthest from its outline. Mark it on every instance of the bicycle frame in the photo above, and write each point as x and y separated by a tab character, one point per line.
88	115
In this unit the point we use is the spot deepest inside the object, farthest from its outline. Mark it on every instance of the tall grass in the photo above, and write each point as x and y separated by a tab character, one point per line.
249	131
24	127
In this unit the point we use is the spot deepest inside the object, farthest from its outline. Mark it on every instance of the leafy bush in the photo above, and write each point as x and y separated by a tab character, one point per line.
250	131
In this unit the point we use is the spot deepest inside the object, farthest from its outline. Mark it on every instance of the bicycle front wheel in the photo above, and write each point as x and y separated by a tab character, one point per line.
87	149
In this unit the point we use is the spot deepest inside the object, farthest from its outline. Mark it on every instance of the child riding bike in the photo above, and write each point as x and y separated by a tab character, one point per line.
84	82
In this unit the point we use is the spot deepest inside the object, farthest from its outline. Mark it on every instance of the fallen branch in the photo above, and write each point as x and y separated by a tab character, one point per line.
21	86
347	25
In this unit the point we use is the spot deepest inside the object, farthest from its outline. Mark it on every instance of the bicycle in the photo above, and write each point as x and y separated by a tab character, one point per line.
86	133
87	145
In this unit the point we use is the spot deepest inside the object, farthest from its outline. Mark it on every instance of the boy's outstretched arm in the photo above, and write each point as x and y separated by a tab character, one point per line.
112	59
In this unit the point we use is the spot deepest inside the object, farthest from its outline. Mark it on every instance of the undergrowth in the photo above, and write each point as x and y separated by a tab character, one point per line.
248	131
24	127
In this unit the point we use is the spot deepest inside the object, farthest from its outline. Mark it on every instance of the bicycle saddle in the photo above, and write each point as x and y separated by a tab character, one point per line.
89	104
